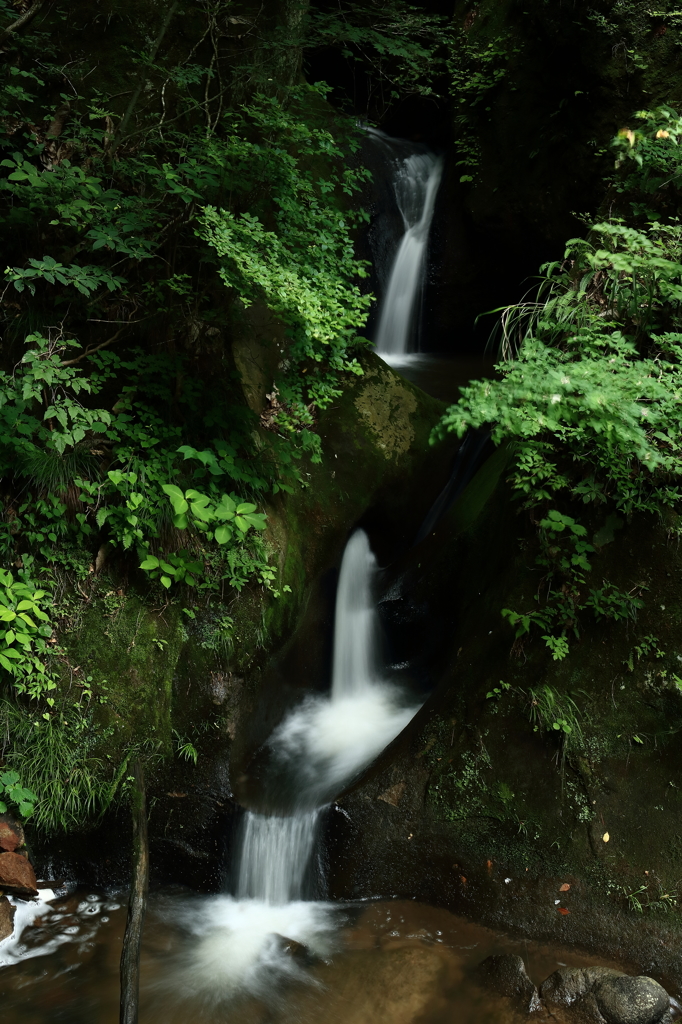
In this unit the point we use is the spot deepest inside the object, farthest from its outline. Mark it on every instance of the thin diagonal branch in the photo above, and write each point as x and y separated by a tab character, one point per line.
27	16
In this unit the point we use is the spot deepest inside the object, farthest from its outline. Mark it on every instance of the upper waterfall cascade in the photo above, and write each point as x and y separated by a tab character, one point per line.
416	177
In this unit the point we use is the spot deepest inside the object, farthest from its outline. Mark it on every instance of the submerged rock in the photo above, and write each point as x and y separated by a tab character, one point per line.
506	975
298	951
395	986
17	875
7	912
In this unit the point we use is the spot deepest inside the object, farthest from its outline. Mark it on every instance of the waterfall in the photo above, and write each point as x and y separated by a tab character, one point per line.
416	177
325	741
321	745
273	856
356	630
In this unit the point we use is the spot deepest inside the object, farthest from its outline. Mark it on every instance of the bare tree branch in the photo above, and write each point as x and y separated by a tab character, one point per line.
27	16
90	350
140	85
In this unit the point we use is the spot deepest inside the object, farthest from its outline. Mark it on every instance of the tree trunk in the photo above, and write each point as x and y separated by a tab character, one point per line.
130	957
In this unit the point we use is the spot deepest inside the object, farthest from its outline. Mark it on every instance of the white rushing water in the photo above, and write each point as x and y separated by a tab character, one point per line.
322	744
416	177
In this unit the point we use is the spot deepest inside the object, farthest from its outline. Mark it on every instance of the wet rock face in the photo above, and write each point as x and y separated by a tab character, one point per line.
569	984
6	918
506	975
11	834
17	875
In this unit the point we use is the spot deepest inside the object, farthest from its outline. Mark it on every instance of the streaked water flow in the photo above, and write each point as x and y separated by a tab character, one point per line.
321	745
416	177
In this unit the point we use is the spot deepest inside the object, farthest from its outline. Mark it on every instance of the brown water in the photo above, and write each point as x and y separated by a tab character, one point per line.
393	962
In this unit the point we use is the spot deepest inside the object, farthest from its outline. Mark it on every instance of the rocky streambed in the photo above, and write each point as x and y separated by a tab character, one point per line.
387	962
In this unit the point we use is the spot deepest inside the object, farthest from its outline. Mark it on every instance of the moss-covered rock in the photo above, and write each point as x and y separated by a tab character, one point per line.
173	676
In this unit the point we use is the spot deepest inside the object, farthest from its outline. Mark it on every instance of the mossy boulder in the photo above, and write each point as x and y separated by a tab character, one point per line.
173	676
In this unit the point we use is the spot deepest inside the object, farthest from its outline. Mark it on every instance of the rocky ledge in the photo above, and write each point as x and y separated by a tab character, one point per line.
578	995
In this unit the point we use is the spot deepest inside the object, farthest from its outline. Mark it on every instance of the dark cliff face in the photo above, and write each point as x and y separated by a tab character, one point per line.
538	90
479	807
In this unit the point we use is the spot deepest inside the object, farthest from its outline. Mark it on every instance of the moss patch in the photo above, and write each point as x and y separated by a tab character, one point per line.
387	405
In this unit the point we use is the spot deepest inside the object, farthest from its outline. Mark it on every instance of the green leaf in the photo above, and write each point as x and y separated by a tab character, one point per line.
257	520
149	563
166	581
177	498
223	534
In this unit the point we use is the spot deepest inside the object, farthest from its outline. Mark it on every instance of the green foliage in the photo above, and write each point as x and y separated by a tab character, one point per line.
303	267
56	759
476	71
85	279
401	49
589	394
15	796
49	435
186	749
557	713
498	691
23	640
563	558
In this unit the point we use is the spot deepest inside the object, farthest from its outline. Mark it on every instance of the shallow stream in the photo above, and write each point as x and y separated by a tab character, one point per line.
387	962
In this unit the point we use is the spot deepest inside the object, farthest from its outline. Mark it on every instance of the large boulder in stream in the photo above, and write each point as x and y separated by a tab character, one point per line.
602	994
506	975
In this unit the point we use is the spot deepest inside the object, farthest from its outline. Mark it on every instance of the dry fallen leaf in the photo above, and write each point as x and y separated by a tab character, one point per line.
606	837
489	865
563	910
462	879
565	887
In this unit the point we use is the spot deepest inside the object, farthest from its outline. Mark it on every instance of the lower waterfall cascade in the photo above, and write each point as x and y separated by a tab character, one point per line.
321	745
